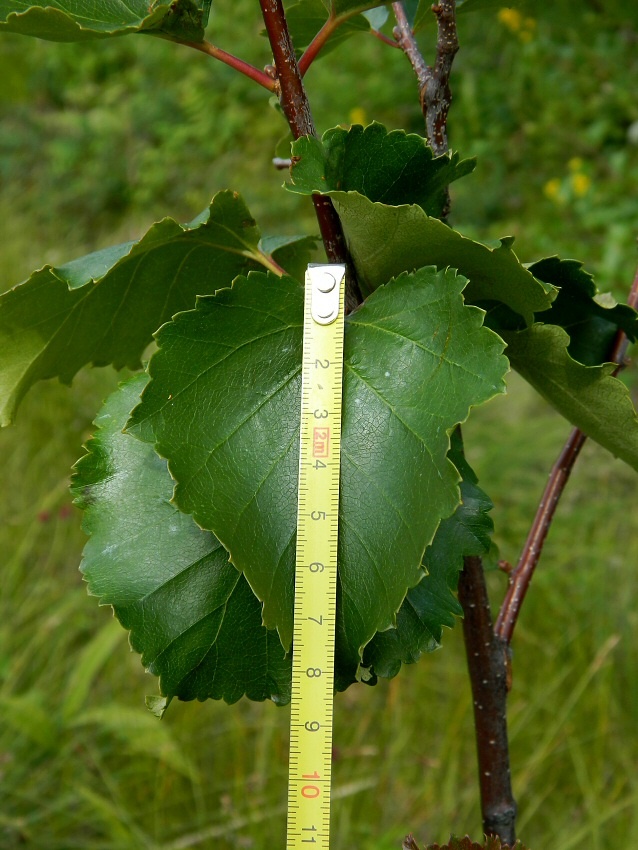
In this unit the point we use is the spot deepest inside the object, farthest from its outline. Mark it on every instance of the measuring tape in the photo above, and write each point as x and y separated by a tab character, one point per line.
316	564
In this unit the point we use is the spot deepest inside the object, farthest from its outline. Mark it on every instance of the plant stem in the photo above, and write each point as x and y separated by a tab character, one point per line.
318	42
296	108
434	82
521	577
244	68
310	53
488	657
488	665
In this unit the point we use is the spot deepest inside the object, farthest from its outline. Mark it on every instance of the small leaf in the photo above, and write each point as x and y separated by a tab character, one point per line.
587	396
390	167
75	20
228	372
431	604
376	17
591	326
191	614
105	307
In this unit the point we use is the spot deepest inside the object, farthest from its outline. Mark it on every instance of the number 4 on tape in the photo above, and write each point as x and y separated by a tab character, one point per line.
316	560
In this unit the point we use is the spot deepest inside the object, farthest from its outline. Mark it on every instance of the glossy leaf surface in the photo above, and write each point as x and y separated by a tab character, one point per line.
77	20
385	240
588	396
431	604
191	614
390	167
591	319
104	308
223	406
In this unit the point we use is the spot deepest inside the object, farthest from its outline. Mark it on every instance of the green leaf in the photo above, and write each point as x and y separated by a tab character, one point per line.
105	307
385	240
228	374
588	396
77	20
306	18
592	320
191	614
431	604
293	253
350	7
377	17
390	167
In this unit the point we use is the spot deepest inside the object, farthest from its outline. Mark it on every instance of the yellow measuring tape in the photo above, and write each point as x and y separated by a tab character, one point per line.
316	564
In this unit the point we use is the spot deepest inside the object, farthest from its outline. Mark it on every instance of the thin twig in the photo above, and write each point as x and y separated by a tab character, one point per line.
488	666
384	38
521	577
311	52
296	108
407	42
244	68
434	82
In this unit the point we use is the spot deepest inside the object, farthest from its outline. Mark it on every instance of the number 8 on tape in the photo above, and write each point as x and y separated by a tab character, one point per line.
316	560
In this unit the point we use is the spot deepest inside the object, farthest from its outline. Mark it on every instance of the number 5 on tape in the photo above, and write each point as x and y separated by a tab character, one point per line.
316	563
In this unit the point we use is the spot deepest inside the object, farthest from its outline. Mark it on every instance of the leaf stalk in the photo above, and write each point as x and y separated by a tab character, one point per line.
260	77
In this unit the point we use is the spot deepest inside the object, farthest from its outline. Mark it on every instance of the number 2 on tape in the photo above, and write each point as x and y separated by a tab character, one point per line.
316	560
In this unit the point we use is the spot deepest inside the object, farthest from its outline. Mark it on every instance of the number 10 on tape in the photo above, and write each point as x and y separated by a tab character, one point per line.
316	561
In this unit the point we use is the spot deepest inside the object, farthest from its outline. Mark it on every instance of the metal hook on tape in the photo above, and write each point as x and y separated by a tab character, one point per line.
326	282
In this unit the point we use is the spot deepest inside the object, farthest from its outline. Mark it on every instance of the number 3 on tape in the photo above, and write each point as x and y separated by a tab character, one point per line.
316	560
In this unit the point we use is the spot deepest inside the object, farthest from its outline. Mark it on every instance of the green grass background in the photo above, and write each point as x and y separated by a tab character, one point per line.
96	142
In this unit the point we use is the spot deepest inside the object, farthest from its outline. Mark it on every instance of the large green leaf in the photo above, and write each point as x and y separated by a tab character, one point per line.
431	604
391	167
591	319
191	614
223	406
387	240
104	308
77	20
588	396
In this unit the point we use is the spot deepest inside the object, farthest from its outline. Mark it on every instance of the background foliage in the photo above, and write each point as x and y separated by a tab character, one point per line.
94	141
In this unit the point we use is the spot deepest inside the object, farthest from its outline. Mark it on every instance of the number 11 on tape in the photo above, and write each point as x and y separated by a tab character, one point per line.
316	561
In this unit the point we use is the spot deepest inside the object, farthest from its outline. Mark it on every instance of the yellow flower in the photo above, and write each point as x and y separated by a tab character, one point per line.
358	116
581	184
511	18
515	22
551	189
575	164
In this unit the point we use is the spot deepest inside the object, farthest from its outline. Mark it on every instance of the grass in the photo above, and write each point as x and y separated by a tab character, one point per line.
83	765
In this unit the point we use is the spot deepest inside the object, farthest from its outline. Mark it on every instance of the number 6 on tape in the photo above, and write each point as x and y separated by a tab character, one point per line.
316	561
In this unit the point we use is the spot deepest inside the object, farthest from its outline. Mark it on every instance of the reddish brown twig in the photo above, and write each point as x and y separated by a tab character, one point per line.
488	665
521	576
244	68
296	108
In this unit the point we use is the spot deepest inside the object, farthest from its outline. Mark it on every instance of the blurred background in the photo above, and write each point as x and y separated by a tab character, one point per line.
99	140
